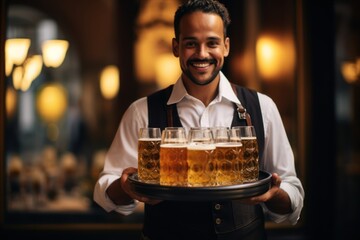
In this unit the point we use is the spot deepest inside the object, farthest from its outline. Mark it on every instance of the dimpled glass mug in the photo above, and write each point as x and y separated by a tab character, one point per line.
149	155
173	153
228	157
200	157
250	153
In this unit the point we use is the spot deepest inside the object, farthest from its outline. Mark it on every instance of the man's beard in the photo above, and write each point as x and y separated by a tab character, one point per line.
192	78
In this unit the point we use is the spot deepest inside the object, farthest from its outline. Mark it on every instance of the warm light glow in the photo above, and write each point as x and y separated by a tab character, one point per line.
10	101
24	75
110	81
151	43
32	69
167	70
275	57
16	50
54	52
51	102
17	77
358	66
349	71
8	66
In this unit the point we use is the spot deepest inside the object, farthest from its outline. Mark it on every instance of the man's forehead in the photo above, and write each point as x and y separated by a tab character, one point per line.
201	23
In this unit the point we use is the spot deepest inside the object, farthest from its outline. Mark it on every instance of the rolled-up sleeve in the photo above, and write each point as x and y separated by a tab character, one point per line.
279	158
104	201
121	155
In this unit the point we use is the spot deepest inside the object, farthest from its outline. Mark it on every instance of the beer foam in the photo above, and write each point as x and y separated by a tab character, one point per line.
173	145
149	139
201	147
229	144
248	138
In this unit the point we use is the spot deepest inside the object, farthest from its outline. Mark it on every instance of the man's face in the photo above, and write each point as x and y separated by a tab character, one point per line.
201	47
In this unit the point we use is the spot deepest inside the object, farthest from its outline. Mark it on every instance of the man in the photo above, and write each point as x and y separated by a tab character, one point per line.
203	97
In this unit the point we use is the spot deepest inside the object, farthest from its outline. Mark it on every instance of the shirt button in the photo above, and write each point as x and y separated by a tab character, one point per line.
217	206
218	221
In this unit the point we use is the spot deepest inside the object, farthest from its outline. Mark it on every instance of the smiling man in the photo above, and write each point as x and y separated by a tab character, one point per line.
201	47
203	97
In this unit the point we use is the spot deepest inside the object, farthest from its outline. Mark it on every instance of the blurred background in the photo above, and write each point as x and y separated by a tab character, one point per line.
69	69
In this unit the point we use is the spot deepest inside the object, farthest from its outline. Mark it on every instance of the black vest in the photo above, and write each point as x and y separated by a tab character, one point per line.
204	220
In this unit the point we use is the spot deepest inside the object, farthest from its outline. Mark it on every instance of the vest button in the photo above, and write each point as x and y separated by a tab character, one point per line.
217	206
218	221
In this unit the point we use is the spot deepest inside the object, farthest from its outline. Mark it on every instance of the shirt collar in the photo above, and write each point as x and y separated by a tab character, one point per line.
178	92
225	91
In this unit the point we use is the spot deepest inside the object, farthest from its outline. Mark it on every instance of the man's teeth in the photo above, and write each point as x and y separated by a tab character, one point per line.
201	64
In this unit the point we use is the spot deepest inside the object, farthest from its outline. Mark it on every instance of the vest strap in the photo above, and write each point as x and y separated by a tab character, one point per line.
169	114
242	113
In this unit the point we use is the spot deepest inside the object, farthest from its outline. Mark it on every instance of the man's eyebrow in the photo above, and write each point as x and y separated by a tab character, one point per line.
213	38
189	38
209	38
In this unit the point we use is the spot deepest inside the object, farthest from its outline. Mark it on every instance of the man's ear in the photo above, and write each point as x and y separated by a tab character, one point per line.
227	47
175	47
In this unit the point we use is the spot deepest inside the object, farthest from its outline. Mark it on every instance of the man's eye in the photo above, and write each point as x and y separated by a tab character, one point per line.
190	44
213	44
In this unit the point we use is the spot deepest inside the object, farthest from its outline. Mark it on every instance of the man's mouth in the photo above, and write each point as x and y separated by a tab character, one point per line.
201	64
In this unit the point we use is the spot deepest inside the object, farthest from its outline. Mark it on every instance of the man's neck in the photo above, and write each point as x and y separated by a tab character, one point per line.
205	93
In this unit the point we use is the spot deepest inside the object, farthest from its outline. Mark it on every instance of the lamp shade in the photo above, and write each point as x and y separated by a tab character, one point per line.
17	76
32	69
54	52
16	50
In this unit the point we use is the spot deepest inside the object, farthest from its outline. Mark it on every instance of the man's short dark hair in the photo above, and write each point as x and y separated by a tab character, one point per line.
205	6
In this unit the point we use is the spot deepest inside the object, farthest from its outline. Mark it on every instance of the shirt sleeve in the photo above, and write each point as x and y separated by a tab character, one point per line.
278	158
121	155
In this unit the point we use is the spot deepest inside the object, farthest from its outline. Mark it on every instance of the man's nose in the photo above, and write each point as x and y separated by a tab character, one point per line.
202	51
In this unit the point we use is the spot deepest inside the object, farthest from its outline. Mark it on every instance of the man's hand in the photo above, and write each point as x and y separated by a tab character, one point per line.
276	199
125	185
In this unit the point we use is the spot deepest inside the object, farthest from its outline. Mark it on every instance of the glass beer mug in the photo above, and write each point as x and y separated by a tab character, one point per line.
250	153
200	157
149	155
228	157
173	152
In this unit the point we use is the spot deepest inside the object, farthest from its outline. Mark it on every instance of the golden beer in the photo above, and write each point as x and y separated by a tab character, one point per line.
228	157
202	168
250	159
149	160
173	164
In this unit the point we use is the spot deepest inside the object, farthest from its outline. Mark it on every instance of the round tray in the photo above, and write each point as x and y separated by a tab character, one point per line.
216	193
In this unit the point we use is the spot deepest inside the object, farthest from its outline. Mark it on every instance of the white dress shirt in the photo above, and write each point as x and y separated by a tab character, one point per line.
277	158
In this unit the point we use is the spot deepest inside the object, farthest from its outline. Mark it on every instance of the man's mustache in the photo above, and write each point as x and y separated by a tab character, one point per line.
211	61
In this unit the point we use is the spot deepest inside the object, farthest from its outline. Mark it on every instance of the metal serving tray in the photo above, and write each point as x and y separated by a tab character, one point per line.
215	193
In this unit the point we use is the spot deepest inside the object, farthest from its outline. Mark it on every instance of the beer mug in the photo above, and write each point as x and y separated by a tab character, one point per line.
221	134
250	153
173	153
228	157
149	155
200	157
